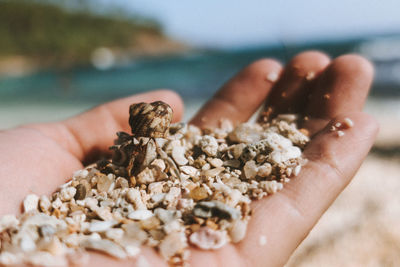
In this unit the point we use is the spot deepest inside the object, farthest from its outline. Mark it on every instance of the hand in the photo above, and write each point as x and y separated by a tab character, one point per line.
38	158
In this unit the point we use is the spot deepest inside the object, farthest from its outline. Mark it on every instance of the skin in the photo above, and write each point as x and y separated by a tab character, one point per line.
39	157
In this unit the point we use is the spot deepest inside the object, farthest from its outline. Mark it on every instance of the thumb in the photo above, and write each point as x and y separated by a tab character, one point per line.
88	135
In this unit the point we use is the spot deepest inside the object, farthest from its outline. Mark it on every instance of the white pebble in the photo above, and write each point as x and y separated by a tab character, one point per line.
67	193
178	154
105	246
31	202
209	145
91	203
160	163
115	233
206	238
238	231
264	170
81	174
101	226
27	244
215	162
340	133
297	170
281	156
189	170
172	243
348	122
140	215
44	203
250	169
133	196
8	221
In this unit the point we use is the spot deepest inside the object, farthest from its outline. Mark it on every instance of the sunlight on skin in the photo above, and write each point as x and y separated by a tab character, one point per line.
41	157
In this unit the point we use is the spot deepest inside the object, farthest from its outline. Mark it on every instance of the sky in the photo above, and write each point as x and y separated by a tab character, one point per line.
244	23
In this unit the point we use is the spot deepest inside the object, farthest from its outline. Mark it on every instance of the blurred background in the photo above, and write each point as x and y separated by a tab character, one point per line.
60	57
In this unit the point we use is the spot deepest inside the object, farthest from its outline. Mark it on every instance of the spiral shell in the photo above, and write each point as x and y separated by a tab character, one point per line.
150	120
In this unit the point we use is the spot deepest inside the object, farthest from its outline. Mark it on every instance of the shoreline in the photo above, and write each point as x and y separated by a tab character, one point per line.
12	114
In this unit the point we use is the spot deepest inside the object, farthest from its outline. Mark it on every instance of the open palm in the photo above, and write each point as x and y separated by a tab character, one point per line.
39	157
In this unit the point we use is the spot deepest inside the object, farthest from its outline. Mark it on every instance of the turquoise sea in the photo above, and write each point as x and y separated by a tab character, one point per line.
194	75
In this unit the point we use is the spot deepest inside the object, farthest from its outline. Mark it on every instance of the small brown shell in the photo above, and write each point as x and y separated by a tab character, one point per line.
150	120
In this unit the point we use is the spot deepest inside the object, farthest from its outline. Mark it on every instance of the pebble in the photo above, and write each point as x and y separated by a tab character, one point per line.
189	186
216	163
178	154
172	244
101	226
208	239
8	221
238	231
348	122
209	145
250	169
67	193
105	246
140	215
31	202
199	193
104	183
80	192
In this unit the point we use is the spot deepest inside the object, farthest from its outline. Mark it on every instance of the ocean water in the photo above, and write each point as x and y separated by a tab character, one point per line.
195	76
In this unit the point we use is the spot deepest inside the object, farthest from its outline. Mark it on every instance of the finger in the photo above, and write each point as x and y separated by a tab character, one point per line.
225	256
88	135
286	217
342	88
289	95
240	97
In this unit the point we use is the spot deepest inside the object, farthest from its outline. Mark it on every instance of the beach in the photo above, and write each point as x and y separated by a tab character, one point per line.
361	227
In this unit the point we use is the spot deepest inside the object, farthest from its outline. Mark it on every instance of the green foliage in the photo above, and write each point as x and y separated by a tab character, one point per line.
44	30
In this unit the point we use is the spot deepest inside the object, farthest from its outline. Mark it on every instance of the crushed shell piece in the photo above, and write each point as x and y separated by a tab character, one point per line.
101	226
348	122
178	154
173	244
206	238
67	193
105	246
209	145
339	133
238	231
140	215
8	221
31	202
